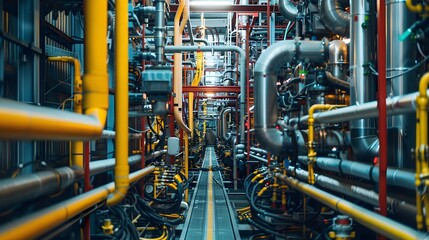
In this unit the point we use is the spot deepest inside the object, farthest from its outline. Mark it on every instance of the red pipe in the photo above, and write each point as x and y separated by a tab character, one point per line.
86	187
382	125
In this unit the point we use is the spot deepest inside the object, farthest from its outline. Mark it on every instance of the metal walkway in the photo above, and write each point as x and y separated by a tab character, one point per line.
210	214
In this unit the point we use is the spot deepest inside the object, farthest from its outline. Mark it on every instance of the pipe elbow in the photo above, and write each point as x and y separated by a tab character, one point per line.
122	183
335	17
288	10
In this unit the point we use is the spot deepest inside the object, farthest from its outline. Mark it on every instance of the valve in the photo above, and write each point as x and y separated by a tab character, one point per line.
342	228
107	227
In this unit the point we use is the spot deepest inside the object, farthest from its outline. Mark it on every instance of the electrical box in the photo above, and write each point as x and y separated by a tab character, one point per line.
173	146
157	83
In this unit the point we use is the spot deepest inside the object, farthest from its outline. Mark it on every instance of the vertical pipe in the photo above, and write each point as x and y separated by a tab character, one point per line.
172	129
121	104
382	125
143	150
268	23
86	187
159	31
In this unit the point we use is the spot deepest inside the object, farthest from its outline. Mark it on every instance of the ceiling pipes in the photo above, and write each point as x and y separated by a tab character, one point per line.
266	107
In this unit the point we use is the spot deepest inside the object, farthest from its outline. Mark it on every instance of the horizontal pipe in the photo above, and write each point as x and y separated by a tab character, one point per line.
27	187
371	220
258	150
395	106
41	222
108	134
395	177
404	210
23	121
260	159
105	165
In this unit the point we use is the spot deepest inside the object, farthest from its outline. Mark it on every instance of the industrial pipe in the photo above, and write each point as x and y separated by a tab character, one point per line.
31	186
41	222
242	63
223	123
199	72
177	86
121	102
335	17
402	208
267	65
371	220
108	134
76	146
159	31
288	10
395	177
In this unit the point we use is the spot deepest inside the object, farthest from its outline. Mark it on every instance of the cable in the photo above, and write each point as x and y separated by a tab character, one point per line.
400	74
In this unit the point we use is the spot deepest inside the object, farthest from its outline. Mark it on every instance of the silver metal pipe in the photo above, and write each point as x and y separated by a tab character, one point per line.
401	208
266	110
257	158
288	10
159	30
100	166
395	106
31	186
335	17
258	150
223	124
338	59
371	220
362	86
401	55
242	69
394	176
109	134
197	40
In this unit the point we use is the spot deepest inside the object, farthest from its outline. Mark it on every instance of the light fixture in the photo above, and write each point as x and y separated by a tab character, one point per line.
209	95
206	3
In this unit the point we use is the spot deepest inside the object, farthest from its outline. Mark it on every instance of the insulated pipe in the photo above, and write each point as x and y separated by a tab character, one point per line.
266	110
76	146
28	187
402	208
369	219
395	177
121	103
335	17
338	59
159	31
177	86
242	63
395	106
288	10
197	40
38	223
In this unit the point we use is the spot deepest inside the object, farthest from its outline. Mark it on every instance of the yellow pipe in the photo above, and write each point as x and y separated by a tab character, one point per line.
185	16
121	104
374	221
186	136
311	144
76	146
421	144
38	223
177	87
22	121
197	78
417	7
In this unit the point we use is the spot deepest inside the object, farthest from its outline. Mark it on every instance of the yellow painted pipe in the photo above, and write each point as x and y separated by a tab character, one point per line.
39	223
185	16
311	152
421	144
374	221
76	146
197	78
416	7
186	142
177	87
22	121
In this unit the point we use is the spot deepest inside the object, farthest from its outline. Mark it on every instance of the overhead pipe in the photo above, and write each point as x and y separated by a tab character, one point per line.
177	86
31	186
38	223
196	40
265	97
242	63
288	10
369	219
108	134
335	17
395	176
121	102
400	208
